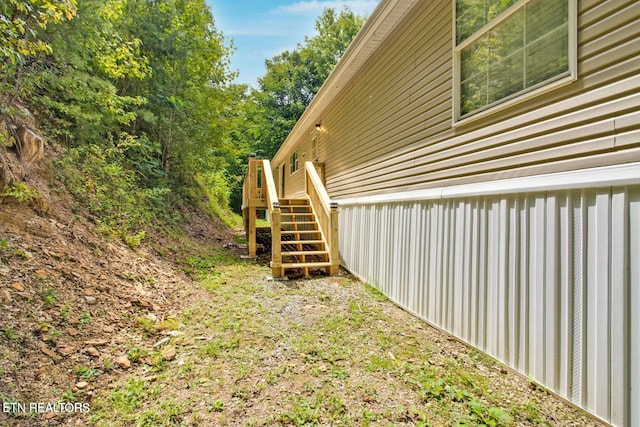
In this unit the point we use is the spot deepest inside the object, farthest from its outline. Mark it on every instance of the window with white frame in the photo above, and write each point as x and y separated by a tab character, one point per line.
505	48
293	162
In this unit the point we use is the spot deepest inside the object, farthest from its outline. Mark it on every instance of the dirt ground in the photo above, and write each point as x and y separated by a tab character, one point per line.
181	332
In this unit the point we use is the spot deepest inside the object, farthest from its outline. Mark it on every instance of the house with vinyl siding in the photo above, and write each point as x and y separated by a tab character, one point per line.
485	159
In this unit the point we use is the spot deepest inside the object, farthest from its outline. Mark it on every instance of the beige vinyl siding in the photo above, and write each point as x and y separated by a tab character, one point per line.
390	128
379	114
294	182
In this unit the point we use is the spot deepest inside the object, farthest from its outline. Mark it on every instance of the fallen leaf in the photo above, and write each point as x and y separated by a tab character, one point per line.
96	342
52	354
18	286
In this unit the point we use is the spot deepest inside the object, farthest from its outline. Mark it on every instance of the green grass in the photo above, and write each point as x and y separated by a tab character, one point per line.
309	353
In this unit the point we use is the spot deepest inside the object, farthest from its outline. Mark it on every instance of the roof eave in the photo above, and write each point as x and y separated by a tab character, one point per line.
375	30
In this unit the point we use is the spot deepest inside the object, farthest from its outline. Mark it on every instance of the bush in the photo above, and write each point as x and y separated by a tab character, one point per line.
102	183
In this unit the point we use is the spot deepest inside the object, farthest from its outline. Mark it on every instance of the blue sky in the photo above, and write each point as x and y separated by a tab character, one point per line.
261	29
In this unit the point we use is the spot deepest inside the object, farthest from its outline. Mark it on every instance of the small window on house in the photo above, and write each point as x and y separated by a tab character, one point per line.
293	161
505	48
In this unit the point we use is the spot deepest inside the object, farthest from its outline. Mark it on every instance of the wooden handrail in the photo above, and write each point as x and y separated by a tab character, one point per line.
259	191
326	213
267	178
273	205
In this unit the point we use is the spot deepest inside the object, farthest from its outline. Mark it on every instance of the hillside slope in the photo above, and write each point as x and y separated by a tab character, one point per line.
73	304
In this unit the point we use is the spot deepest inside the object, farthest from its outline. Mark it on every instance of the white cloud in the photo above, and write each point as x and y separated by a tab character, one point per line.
315	7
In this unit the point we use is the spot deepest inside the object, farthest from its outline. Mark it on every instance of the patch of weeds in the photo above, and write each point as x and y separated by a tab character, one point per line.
10	403
154	359
340	374
324	297
303	413
241	393
168	325
489	415
204	264
356	314
216	406
151	418
48	297
375	293
126	399
87	372
134	240
173	411
531	412
217	346
53	334
85	318
136	354
70	396
64	311
456	394
332	405
369	416
274	376
10	333
4	247
420	418
22	192
147	324
378	364
431	388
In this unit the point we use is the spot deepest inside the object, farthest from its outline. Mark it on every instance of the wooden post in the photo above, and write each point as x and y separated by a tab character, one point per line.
334	244
276	241
251	210
251	237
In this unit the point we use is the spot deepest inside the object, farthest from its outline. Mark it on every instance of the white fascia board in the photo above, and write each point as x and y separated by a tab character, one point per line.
605	176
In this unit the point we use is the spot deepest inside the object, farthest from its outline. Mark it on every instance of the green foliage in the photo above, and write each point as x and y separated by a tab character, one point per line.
10	333
21	192
97	176
139	93
133	241
294	77
21	24
87	372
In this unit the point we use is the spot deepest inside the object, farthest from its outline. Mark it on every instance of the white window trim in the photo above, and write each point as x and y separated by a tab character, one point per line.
297	162
525	95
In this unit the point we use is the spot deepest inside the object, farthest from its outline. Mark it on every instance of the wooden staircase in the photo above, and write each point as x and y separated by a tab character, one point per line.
302	244
304	231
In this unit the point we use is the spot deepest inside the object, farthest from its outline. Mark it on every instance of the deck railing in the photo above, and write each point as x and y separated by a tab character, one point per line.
326	213
259	192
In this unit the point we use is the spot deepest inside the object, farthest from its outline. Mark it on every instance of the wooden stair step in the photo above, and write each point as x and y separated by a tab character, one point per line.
294	202
293	253
302	242
300	232
296	210
306	265
298	222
